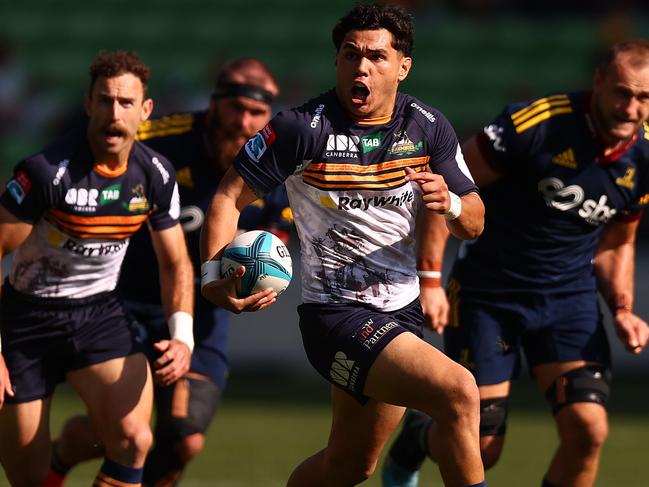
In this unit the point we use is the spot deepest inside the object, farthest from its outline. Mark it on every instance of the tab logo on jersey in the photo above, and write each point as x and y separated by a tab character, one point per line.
403	145
342	146
255	147
82	199
627	180
566	159
371	142
565	198
109	194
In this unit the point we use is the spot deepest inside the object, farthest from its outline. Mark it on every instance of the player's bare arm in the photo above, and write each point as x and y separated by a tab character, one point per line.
431	244
177	292
614	266
12	233
219	229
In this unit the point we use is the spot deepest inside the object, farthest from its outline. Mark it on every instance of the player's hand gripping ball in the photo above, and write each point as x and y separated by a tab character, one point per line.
266	259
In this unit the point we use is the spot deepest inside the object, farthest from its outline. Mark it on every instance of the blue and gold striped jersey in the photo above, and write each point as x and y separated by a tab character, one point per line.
353	209
544	216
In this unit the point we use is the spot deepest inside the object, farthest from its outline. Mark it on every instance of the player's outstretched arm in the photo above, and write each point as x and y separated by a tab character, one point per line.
13	232
614	266
177	292
218	231
432	235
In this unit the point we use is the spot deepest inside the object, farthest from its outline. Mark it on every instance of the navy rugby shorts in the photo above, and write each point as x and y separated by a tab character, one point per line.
342	341
487	332
211	326
45	338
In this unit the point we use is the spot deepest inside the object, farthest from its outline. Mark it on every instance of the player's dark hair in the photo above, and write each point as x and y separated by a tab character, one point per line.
112	64
393	18
638	49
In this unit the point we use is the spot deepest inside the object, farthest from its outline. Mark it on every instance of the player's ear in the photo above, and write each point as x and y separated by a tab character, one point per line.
404	69
147	108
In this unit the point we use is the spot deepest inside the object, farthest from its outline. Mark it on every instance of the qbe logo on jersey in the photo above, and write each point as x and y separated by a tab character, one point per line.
342	146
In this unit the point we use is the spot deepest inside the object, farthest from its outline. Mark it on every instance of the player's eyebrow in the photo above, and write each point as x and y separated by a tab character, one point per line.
351	45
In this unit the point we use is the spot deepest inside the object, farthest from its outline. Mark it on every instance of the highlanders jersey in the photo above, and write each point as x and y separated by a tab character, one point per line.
544	216
180	137
354	211
83	216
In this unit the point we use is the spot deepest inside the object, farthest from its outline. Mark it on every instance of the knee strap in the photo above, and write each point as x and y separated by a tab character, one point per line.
493	416
590	383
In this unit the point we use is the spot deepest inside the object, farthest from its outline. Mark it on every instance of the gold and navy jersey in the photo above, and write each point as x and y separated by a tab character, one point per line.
353	209
83	216
544	216
180	138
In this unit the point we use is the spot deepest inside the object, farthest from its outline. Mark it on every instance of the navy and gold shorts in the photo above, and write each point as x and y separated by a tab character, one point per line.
45	338
342	341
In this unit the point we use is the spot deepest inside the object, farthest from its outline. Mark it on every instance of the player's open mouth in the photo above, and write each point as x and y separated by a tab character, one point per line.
360	92
113	134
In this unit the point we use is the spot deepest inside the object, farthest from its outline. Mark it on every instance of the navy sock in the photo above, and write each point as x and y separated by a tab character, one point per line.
410	448
112	473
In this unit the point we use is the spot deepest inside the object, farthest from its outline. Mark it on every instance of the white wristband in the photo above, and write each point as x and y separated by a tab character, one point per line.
181	328
210	272
430	274
455	208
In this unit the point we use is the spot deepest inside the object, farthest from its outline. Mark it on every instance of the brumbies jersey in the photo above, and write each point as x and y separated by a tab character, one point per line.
354	211
544	216
83	216
180	138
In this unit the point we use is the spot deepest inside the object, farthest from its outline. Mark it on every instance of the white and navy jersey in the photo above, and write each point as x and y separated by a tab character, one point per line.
83	216
354	211
544	216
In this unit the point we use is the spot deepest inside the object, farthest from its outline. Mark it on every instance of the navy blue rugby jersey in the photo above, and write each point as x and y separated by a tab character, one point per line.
544	216
84	216
353	209
180	138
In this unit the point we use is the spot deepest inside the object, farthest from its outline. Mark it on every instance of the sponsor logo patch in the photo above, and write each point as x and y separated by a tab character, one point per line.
343	371
371	142
403	145
342	146
109	194
628	179
566	159
161	169
269	135
83	200
363	203
317	116
139	202
255	147
565	198
63	166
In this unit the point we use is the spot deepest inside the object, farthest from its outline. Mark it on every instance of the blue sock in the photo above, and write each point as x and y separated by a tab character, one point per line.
111	474
481	484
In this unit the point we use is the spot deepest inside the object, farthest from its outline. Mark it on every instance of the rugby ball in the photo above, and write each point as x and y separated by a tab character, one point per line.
266	259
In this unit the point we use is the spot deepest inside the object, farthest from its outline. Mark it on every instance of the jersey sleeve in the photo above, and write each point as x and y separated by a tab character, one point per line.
29	193
271	156
447	160
166	204
503	143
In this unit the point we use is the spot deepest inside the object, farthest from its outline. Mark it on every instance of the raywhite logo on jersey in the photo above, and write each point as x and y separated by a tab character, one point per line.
347	203
342	146
564	198
161	169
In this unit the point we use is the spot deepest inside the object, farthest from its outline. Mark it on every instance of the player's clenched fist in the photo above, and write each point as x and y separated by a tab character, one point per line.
435	191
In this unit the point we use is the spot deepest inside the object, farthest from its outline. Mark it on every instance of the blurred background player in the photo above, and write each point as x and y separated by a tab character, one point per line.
202	146
564	180
69	212
361	162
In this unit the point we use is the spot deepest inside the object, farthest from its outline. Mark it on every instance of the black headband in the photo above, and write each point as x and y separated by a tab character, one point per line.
226	90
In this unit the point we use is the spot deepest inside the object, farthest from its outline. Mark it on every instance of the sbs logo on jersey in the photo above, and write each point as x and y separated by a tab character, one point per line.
342	146
565	198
